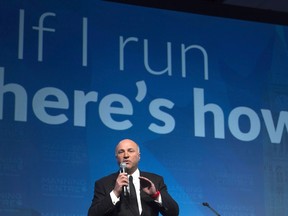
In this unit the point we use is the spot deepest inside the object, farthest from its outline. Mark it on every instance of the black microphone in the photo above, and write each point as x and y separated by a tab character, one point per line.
123	170
208	206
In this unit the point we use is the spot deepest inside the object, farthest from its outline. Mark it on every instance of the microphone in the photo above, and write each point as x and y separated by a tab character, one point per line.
123	170
208	206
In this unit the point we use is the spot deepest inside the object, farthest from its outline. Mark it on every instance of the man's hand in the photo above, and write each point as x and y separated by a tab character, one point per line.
122	180
147	186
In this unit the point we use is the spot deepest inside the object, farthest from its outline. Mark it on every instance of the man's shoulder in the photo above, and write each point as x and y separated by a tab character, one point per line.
150	175
110	177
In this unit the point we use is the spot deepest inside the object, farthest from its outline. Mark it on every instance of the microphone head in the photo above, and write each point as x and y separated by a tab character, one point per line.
123	165
205	204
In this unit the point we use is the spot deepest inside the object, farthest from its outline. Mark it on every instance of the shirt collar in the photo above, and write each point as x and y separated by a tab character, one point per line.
136	174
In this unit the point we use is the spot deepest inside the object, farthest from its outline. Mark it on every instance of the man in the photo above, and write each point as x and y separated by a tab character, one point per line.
151	196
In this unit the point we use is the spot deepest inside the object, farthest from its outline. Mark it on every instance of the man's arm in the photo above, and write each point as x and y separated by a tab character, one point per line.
102	202
107	194
157	190
169	205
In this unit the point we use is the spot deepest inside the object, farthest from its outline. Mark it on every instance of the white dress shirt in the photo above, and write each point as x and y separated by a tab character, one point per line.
136	182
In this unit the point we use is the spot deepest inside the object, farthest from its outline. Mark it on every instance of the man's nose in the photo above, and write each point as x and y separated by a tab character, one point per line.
126	154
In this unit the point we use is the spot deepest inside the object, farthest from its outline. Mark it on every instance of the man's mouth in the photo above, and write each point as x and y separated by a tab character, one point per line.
126	161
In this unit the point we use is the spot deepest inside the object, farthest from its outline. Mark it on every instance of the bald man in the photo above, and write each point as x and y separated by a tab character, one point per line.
151	195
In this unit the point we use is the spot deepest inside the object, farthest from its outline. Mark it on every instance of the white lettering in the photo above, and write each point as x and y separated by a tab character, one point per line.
20	110
49	104
40	103
121	106
183	58
122	45
234	126
275	133
199	115
168	69
21	34
168	120
85	42
41	29
80	102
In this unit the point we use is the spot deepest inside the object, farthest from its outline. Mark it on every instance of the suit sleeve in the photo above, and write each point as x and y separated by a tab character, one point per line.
101	203
169	205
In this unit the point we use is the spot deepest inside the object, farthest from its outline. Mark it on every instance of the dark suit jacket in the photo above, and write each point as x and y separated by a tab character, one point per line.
103	206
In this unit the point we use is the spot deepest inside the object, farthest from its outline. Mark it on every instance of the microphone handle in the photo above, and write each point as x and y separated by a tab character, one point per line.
212	209
125	190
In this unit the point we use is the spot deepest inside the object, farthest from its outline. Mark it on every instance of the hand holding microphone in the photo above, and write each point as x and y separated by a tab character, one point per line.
121	181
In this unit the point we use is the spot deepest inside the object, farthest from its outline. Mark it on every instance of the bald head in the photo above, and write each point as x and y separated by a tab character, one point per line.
128	151
126	142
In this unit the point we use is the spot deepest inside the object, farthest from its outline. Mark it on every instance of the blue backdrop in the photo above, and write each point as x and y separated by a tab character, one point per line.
205	97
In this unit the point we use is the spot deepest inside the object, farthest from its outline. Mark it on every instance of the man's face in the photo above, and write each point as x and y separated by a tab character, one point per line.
127	151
